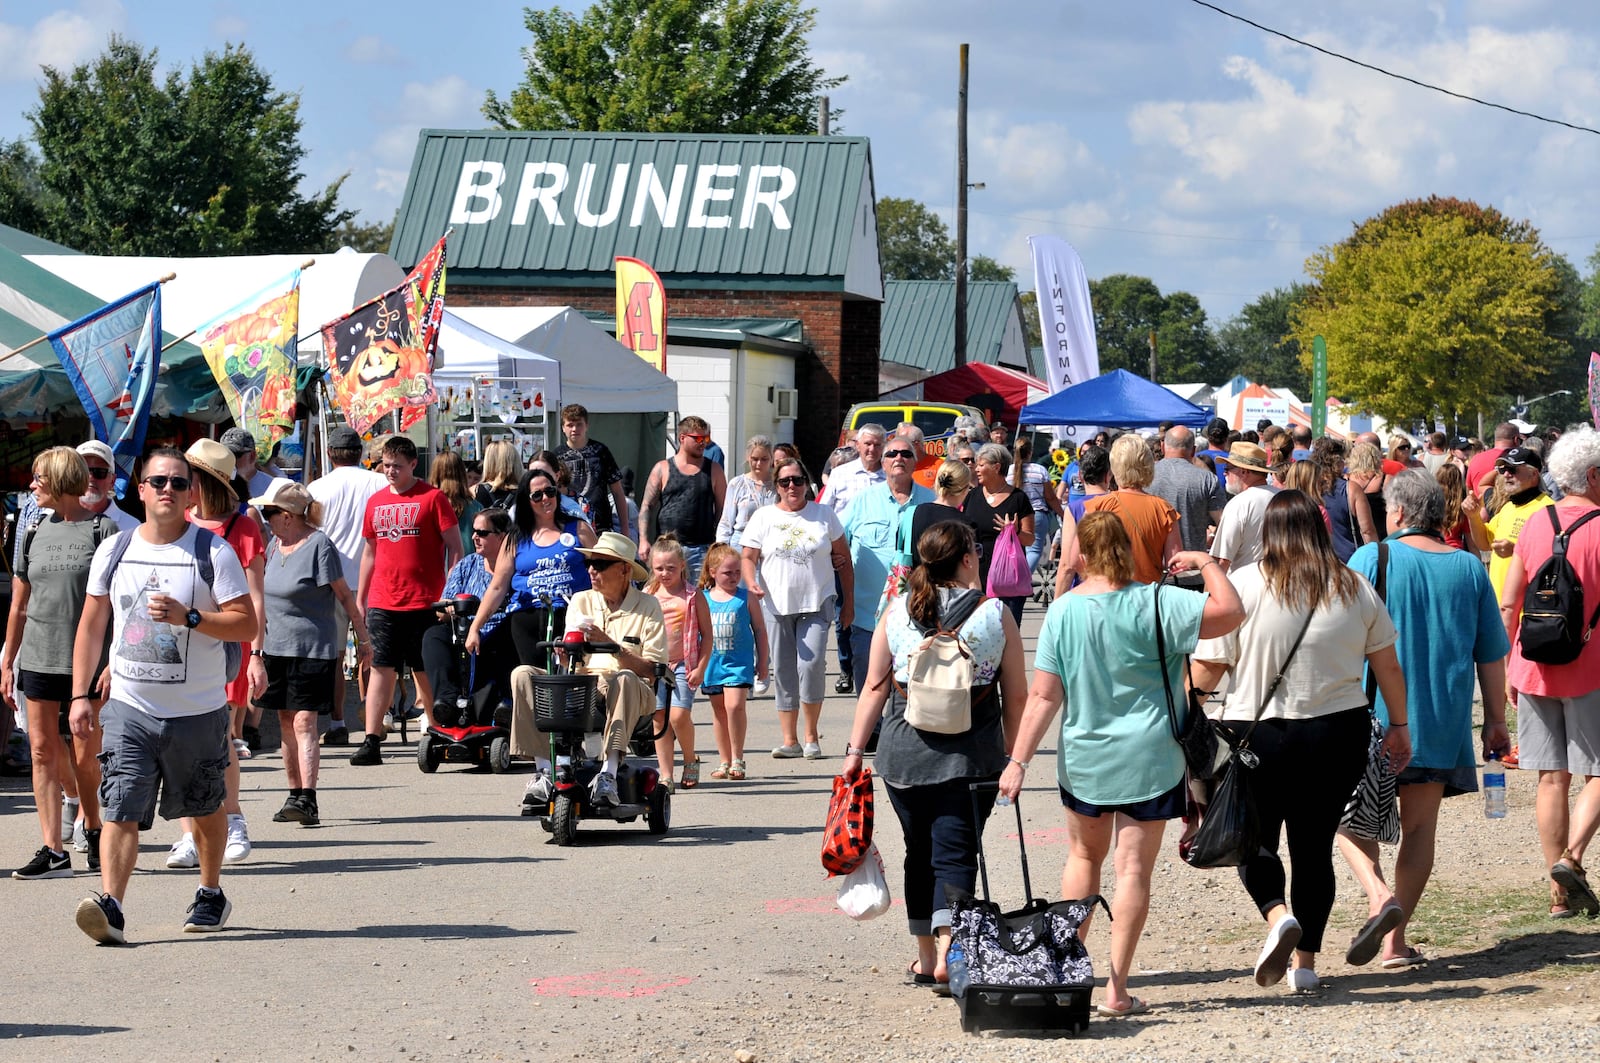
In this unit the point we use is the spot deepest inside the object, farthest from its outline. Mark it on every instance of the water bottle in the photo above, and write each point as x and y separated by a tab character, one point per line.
955	962
1494	788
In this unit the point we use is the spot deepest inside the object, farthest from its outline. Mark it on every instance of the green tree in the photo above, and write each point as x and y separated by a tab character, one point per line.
1435	309
668	66
368	237
1127	309
207	164
1259	342
913	244
984	268
21	194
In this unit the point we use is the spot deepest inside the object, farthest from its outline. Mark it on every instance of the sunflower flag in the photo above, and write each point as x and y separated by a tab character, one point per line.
381	353
251	351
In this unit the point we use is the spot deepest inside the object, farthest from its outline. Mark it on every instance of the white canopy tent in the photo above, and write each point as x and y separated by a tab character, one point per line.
465	350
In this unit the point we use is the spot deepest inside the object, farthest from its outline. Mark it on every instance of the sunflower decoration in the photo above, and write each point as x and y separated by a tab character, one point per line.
1060	458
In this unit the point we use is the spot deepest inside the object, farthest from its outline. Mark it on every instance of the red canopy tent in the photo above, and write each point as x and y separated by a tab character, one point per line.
999	392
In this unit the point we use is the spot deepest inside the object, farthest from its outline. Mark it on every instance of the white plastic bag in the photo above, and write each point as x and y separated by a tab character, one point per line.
864	892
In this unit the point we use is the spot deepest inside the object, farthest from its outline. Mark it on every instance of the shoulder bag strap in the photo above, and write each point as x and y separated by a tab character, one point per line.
1382	587
1161	660
1272	688
1559	552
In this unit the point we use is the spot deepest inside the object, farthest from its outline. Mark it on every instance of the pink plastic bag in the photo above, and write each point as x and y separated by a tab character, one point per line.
1009	576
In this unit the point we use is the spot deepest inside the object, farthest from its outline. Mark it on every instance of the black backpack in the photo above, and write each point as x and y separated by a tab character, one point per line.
1553	631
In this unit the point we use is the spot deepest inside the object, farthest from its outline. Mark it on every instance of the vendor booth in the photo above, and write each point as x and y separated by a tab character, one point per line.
1118	399
999	391
490	389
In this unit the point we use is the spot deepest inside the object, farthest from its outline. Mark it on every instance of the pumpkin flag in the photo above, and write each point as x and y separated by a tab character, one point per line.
380	355
251	351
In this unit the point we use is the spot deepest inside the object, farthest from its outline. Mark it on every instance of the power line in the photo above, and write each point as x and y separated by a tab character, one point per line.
1392	74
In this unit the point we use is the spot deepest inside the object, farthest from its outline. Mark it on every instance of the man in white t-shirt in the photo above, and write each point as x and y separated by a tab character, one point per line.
166	722
343	494
1238	539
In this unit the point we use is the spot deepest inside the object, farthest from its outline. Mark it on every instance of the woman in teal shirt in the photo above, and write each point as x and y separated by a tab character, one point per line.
1120	770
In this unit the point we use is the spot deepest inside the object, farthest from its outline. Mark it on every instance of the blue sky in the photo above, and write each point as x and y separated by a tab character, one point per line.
1158	137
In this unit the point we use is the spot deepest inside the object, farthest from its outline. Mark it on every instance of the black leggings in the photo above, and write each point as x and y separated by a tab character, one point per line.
1309	768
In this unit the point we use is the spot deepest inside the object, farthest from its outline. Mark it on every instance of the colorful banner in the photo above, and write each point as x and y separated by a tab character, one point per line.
111	358
642	311
381	353
251	351
1066	319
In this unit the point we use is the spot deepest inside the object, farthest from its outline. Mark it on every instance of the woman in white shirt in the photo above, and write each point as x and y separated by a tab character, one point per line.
748	491
791	551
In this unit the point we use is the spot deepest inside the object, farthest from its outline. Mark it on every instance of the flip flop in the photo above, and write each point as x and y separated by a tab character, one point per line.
1561	911
1135	1007
1570	877
916	977
1412	958
1365	945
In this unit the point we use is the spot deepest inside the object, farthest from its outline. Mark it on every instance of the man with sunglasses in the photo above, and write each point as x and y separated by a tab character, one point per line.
166	721
685	495
1518	470
844	484
878	531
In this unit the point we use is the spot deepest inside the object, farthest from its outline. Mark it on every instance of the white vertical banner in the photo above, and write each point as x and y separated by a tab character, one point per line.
1066	320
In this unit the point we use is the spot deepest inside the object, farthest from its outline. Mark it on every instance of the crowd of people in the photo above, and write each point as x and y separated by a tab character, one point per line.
1337	601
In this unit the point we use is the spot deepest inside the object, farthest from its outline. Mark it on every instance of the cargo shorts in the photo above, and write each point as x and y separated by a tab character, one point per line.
182	761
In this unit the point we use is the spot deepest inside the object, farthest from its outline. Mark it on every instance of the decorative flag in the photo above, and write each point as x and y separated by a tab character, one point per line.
1066	320
251	351
1594	388
111	358
381	353
642	311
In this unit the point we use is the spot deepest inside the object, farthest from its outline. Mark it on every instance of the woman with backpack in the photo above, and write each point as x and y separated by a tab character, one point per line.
927	754
1119	769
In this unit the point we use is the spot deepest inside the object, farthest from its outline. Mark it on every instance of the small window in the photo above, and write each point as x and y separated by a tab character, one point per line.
934	422
888	420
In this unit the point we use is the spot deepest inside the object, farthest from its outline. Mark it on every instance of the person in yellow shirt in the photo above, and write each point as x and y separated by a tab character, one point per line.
1519	471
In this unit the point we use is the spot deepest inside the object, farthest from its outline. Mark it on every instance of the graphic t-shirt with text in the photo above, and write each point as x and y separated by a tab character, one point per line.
405	530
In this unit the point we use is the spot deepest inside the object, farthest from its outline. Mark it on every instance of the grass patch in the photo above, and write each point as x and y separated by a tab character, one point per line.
1461	917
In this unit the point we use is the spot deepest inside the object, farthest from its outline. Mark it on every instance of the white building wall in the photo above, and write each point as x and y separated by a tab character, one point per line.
729	389
762	371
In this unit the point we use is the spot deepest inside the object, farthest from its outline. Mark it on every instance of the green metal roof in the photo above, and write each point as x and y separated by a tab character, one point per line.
709	206
25	243
918	326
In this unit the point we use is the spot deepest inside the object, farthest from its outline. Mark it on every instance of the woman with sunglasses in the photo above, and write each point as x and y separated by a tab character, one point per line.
538	571
791	551
496	653
303	649
994	505
48	592
546	461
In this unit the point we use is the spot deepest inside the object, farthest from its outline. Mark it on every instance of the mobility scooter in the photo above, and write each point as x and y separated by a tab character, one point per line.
566	706
475	728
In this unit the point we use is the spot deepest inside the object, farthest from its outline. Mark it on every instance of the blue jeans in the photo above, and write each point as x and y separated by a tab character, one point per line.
694	557
941	846
1044	526
841	633
860	652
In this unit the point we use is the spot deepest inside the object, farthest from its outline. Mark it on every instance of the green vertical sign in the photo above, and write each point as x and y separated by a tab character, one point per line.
1319	385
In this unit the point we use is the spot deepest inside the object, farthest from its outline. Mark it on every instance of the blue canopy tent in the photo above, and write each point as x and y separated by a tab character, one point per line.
1118	399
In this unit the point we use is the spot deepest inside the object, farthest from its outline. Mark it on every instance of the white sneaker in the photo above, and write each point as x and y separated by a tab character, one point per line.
760	689
811	750
541	788
80	838
788	752
183	853
603	790
388	723
1303	980
238	846
1274	958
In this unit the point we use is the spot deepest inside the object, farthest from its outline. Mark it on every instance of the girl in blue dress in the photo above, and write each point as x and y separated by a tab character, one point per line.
738	654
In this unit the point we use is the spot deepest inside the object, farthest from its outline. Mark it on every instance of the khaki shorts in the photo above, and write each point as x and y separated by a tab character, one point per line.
1559	734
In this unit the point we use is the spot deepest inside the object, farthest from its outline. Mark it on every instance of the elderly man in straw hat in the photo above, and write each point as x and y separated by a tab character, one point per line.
613	611
1238	539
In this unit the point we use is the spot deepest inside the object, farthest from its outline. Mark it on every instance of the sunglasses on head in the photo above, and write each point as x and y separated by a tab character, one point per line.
543	493
97	472
601	564
791	481
161	483
898	454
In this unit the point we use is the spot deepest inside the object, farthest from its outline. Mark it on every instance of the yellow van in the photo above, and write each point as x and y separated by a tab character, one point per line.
936	419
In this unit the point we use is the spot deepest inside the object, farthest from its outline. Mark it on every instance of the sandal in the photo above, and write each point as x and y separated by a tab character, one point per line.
1569	875
691	775
736	770
721	772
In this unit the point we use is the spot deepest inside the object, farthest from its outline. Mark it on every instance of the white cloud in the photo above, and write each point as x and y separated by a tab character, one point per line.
61	39
379	174
371	49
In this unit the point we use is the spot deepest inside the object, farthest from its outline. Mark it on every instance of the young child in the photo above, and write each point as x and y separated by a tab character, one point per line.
686	650
737	658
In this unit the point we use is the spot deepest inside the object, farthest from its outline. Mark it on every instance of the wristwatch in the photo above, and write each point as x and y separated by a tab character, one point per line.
191	619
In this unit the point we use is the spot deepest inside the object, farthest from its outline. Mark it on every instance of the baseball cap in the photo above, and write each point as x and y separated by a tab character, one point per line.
344	438
96	449
1517	457
239	441
1461	443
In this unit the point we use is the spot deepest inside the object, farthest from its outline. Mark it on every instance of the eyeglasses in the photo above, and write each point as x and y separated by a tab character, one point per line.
543	493
698	437
791	481
601	564
99	472
161	483
890	454
482	533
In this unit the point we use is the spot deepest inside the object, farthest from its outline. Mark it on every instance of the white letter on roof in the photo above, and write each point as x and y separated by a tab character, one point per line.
545	195
469	188
706	193
772	199
666	203
619	181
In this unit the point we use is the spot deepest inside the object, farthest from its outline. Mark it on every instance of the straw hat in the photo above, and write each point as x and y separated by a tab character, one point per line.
617	547
1247	456
210	456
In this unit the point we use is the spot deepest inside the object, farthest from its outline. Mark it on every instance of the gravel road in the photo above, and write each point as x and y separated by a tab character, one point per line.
425	920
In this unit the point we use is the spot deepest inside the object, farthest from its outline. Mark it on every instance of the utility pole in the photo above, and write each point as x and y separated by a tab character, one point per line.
961	213
822	117
1153	379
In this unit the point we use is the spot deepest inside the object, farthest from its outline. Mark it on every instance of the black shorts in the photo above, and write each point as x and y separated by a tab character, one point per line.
45	686
397	636
298	684
1169	805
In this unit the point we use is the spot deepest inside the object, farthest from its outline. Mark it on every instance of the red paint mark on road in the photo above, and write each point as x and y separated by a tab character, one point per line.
808	906
622	983
1050	836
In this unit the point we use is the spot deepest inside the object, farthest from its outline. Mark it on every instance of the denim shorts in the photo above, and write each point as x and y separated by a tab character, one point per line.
1457	781
181	760
678	693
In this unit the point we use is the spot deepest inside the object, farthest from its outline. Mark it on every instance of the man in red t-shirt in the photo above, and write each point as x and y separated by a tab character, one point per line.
1480	470
412	542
